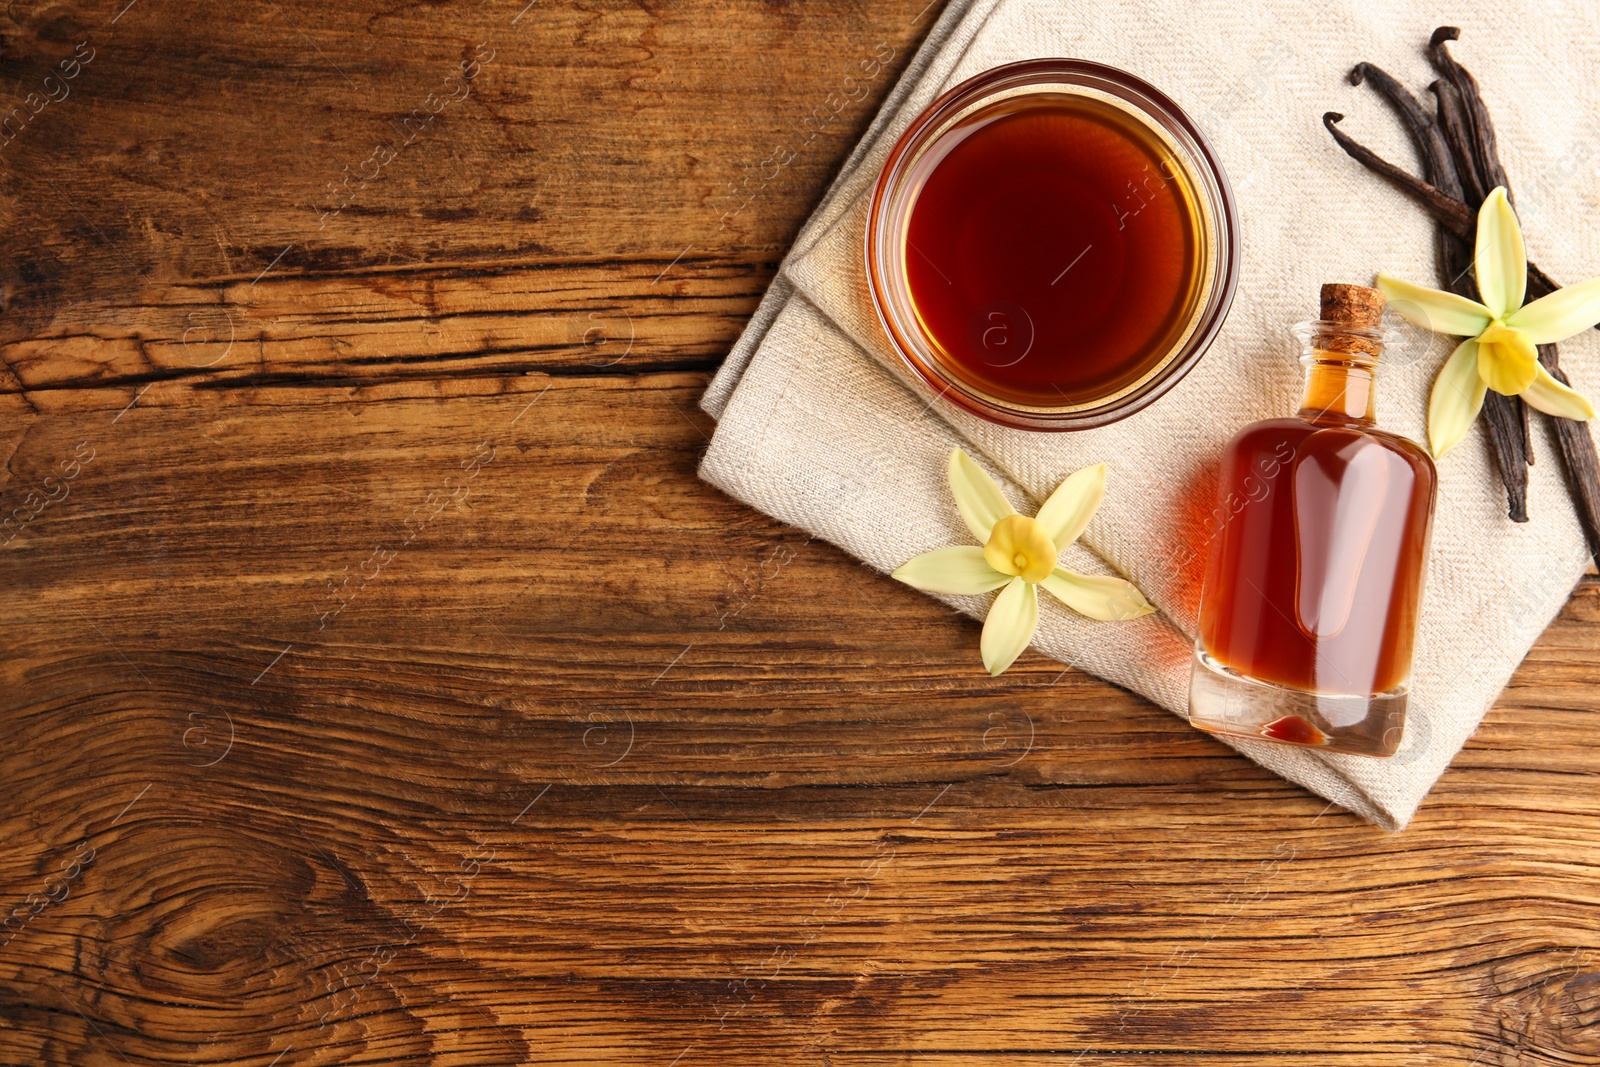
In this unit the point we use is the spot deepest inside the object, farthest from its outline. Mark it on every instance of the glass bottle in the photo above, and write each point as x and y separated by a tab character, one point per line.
1313	585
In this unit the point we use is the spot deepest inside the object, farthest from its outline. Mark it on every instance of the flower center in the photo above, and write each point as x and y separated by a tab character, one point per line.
1495	331
1018	545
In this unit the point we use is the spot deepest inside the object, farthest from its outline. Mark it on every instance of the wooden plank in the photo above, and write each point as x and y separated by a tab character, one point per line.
770	753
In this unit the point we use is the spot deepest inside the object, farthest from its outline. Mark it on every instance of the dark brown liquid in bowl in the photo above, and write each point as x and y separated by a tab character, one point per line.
1054	252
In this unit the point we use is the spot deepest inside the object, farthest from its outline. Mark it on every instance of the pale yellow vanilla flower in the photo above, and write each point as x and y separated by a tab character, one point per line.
1503	334
1018	555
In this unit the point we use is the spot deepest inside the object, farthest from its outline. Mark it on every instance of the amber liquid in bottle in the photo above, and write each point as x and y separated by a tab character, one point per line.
1314	578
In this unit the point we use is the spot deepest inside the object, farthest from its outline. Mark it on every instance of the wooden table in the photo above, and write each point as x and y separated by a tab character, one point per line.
381	686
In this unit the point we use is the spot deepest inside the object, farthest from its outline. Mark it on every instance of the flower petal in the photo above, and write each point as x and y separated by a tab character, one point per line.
1010	625
1553	398
1435	309
979	500
1073	503
1507	367
1099	597
1560	314
1456	399
961	570
1498	257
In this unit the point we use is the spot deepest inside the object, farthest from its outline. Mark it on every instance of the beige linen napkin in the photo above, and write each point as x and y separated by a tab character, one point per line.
820	427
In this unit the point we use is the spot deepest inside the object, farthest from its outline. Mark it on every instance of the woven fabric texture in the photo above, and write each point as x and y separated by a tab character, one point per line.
820	426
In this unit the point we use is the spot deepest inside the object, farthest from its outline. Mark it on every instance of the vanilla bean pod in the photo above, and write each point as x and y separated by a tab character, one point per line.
1482	149
1506	417
1485	151
1576	444
1451	214
1583	466
1503	415
1471	134
1438	165
1458	177
1456	128
1448	211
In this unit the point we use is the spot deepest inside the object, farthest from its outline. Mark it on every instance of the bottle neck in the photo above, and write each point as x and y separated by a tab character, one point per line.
1341	361
1339	389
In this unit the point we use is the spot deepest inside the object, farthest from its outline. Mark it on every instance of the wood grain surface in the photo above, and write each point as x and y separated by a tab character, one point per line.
380	685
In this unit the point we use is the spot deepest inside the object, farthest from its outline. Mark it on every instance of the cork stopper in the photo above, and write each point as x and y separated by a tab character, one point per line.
1353	307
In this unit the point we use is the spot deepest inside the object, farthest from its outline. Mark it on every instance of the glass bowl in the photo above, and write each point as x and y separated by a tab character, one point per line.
948	120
